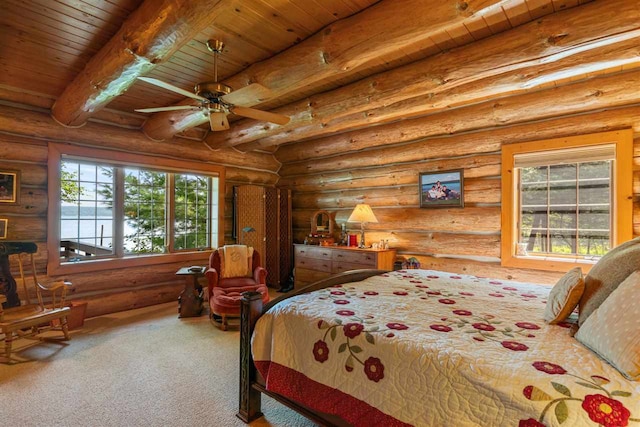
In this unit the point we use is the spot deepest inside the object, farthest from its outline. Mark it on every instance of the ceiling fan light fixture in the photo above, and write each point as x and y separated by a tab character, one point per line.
217	99
212	90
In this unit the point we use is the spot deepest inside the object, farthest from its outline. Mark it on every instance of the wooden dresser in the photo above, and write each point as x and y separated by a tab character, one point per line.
313	263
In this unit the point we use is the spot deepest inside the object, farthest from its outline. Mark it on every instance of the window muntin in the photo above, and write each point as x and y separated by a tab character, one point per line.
195	210
86	213
573	165
145	211
566	209
100	201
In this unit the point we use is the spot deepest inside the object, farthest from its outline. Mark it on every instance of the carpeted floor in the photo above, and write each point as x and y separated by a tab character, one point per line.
143	367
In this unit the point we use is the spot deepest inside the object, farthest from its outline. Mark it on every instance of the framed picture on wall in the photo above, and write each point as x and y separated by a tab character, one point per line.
3	228
9	186
442	189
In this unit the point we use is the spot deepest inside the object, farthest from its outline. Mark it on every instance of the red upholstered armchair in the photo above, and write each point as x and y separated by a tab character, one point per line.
225	293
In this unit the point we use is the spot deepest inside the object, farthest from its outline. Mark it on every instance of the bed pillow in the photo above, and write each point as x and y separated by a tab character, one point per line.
605	276
613	329
564	296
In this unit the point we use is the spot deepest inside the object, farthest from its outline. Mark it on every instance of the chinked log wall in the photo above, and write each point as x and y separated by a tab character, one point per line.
24	136
380	166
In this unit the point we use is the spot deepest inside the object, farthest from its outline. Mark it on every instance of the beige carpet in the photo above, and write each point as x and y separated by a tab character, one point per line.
143	367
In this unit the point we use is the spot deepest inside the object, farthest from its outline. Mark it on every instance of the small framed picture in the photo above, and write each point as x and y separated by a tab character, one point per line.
9	186
442	189
3	228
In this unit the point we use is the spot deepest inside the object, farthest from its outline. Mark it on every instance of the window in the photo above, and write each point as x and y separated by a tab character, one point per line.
566	200
120	208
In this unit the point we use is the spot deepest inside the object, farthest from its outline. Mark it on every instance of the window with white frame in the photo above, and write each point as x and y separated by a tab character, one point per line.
110	209
565	200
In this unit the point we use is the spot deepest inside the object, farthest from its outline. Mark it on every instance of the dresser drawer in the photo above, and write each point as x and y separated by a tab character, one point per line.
364	259
314	264
309	251
346	266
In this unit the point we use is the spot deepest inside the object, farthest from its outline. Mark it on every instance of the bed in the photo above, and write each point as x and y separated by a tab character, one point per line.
426	348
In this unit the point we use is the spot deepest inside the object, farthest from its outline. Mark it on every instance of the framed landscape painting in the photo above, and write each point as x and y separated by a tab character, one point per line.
442	189
9	185
3	228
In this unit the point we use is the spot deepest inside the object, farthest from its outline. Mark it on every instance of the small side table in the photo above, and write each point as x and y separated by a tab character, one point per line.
190	299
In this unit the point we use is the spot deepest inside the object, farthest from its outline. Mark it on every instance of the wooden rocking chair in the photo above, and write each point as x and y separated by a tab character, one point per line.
32	319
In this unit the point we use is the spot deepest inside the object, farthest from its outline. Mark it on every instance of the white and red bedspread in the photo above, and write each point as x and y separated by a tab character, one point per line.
429	348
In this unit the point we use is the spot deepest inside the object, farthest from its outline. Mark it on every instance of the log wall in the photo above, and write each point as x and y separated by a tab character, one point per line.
380	166
24	138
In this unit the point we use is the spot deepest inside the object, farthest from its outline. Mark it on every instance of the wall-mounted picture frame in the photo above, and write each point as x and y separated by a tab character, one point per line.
9	186
442	189
4	223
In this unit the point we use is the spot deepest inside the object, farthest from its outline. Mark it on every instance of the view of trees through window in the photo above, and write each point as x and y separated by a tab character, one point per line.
566	208
91	201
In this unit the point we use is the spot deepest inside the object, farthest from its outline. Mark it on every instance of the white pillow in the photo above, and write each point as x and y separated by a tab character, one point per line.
613	329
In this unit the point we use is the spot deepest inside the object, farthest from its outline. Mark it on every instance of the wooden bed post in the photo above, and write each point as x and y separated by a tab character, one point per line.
249	399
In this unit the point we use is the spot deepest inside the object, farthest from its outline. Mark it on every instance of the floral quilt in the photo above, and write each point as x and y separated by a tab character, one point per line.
428	348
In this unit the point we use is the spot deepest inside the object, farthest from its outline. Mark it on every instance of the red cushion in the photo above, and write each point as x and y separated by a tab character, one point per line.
227	300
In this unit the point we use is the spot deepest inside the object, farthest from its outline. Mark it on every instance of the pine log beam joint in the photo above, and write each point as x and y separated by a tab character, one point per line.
342	48
604	34
151	35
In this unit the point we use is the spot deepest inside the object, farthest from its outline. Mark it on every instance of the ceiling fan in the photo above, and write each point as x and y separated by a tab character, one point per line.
217	99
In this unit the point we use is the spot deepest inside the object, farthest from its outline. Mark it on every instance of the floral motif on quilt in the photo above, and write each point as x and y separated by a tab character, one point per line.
592	396
502	363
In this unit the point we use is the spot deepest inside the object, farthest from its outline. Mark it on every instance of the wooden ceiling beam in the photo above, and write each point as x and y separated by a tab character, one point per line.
341	48
34	124
154	32
537	44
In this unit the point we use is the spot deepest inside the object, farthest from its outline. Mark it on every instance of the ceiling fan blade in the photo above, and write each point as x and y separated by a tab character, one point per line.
172	88
170	108
218	121
249	95
266	116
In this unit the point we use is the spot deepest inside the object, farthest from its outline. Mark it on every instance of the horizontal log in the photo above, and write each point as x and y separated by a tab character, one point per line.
536	45
26	228
102	304
480	166
416	129
38	125
420	151
608	59
483	269
439	243
31	175
476	190
30	150
32	201
238	176
341	49
469	219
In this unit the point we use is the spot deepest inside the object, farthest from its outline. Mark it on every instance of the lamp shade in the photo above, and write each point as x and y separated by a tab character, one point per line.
362	213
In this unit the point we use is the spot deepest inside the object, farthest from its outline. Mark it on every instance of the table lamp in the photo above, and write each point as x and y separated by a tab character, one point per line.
362	213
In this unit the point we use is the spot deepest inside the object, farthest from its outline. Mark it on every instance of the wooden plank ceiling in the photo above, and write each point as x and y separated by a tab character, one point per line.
46	44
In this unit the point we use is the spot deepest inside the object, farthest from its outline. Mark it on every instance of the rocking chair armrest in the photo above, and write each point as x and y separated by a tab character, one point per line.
54	286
